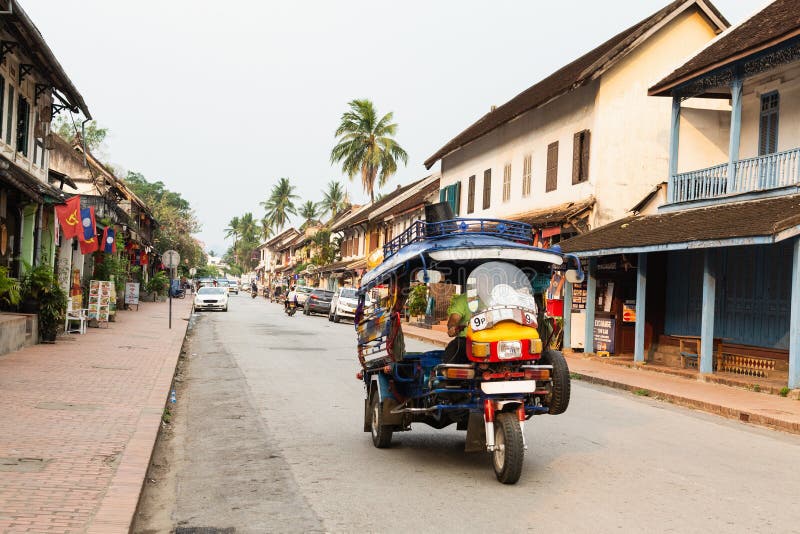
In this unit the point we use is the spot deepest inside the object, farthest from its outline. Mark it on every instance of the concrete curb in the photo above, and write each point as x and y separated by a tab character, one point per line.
118	508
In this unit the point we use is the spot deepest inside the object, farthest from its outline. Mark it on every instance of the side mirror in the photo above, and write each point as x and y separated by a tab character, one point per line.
434	277
574	276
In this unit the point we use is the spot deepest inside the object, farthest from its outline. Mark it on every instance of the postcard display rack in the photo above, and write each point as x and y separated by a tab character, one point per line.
100	301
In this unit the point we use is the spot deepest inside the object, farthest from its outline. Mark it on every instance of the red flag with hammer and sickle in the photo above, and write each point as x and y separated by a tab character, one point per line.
69	215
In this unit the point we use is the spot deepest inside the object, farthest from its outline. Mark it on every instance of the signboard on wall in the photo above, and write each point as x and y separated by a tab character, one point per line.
132	294
629	311
604	330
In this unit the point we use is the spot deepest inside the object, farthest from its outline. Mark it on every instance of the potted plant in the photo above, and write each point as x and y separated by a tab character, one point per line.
418	300
157	284
42	295
9	289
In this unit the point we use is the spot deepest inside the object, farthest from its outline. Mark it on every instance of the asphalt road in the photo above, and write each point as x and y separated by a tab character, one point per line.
270	439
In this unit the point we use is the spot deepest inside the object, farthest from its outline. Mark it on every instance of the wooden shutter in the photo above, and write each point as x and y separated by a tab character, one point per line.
487	188
552	167
471	194
580	157
456	198
507	182
526	176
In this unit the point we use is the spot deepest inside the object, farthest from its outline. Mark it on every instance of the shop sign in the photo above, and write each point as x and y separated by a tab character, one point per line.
604	330
132	293
629	311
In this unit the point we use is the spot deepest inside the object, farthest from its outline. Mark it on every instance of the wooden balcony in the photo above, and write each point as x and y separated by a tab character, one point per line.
773	171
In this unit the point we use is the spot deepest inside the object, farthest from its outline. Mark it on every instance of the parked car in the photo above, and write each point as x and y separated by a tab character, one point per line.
319	301
302	294
233	286
344	304
211	298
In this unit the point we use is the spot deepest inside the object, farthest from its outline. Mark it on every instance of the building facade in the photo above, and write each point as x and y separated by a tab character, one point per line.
716	270
582	146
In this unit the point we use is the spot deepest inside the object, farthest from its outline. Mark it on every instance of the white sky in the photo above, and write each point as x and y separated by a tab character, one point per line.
218	99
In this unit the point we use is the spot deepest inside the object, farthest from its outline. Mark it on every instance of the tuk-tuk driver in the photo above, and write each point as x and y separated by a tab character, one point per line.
457	319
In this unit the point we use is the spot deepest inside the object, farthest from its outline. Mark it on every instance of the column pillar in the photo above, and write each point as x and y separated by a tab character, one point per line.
591	299
794	320
736	129
674	139
641	292
707	314
567	315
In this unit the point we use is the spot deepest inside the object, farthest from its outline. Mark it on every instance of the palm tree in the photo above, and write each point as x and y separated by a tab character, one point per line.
366	145
267	230
233	228
334	199
248	229
280	203
309	212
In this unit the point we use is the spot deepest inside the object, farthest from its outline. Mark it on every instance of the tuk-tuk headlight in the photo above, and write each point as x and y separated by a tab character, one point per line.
508	350
481	350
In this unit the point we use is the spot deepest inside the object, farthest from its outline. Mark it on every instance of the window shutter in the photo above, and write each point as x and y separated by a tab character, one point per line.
552	167
457	198
576	158
585	144
768	124
487	188
2	101
442	194
471	194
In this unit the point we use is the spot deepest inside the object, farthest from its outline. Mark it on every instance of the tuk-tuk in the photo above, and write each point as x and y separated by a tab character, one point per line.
509	372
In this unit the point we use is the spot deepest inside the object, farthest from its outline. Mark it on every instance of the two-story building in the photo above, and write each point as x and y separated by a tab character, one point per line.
716	270
579	148
365	230
33	86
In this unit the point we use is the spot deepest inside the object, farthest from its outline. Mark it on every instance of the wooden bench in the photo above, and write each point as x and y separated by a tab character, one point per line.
689	349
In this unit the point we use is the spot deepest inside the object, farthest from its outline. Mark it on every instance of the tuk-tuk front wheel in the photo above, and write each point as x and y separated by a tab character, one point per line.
381	434
509	448
559	398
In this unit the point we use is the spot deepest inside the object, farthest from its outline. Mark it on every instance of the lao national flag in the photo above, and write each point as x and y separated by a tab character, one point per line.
69	217
88	237
88	224
109	241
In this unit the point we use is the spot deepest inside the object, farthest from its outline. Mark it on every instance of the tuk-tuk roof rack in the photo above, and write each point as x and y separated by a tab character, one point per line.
516	232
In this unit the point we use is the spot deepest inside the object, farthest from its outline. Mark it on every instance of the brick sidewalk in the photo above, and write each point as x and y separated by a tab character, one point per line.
724	400
80	419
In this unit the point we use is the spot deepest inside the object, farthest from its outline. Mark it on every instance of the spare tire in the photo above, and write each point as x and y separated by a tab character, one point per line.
559	397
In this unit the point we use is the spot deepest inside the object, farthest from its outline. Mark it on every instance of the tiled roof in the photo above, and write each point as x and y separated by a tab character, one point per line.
773	25
554	215
749	219
567	78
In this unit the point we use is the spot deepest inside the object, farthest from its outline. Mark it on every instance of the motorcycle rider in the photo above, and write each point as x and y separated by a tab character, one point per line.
291	297
253	289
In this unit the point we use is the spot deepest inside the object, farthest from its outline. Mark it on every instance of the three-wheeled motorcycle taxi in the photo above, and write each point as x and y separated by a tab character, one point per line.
508	373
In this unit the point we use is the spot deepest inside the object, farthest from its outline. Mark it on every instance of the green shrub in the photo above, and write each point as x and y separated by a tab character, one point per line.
9	288
158	283
418	300
784	391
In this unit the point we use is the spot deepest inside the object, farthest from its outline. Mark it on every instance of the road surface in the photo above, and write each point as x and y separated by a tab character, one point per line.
267	436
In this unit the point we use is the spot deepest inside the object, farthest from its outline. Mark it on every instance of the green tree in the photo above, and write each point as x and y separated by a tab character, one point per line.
280	203
69	130
176	219
366	145
334	199
267	229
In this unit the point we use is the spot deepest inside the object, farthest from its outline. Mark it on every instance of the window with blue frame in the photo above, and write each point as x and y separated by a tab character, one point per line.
768	124
452	195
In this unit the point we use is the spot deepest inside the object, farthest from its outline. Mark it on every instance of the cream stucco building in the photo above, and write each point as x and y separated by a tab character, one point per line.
583	146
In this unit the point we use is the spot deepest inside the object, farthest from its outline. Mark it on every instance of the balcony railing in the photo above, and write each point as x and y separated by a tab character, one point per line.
772	171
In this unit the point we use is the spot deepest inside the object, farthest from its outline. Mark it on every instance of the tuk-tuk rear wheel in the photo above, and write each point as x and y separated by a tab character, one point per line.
509	451
559	398
381	434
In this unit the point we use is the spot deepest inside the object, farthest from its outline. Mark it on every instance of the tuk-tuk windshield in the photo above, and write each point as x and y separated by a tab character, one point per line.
497	284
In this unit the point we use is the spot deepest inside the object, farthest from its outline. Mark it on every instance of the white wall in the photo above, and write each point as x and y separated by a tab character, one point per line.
629	135
785	80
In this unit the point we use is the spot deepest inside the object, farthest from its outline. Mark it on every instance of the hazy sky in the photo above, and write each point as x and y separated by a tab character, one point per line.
218	99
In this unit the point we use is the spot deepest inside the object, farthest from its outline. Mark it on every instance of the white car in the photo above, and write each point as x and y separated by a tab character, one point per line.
211	298
302	293
344	304
233	286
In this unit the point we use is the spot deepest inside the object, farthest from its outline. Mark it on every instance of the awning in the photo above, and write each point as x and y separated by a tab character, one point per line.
750	222
31	186
358	264
555	215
